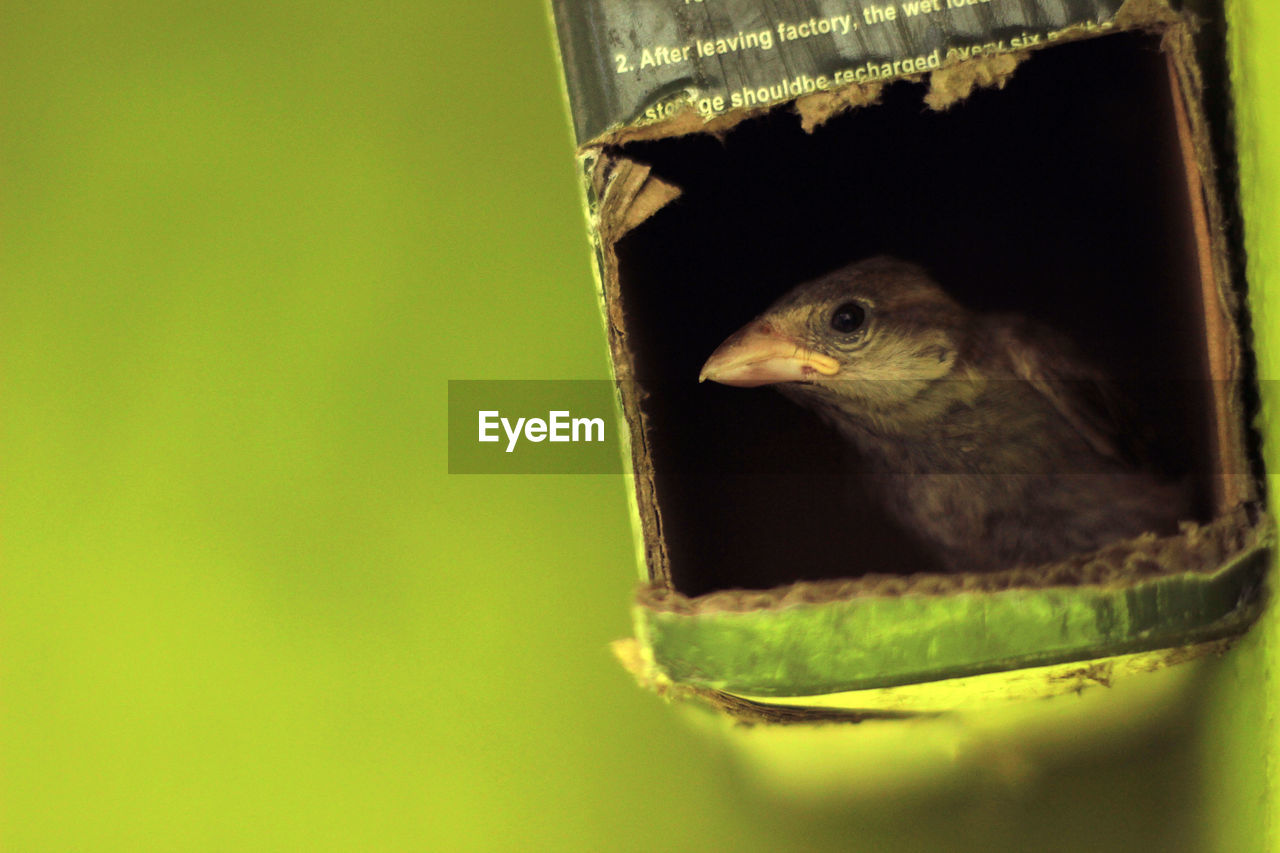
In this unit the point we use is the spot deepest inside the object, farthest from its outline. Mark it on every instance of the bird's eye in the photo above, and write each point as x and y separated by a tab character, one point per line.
849	317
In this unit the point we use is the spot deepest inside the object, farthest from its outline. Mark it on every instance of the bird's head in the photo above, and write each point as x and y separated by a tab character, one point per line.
875	332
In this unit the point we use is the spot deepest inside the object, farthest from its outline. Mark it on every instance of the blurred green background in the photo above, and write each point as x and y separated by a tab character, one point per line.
244	246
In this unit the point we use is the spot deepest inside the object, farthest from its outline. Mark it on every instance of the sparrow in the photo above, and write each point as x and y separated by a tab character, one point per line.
986	434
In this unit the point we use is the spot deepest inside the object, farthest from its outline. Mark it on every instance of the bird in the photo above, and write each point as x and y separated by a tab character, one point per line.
988	435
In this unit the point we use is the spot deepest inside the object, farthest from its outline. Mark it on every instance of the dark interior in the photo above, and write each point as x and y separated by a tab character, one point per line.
1060	196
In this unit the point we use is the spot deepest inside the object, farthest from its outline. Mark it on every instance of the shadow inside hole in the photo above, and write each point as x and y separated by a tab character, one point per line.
1061	197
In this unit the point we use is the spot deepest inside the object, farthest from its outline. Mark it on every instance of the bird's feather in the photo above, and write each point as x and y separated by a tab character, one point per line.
1079	391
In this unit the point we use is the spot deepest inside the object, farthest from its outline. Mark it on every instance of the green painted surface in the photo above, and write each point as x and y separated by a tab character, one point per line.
883	642
1240	738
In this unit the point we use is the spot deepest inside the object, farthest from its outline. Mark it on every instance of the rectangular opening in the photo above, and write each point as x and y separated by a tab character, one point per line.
1062	196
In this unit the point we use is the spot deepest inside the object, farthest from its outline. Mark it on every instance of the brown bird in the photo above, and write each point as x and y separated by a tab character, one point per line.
986	434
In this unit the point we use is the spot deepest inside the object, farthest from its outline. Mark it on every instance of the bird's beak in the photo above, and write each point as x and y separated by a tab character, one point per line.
756	354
